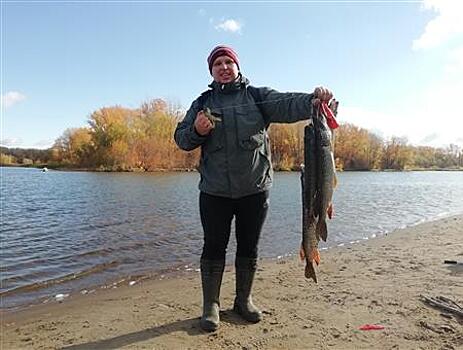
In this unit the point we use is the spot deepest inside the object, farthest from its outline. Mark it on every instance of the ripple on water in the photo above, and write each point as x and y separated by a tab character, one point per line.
69	230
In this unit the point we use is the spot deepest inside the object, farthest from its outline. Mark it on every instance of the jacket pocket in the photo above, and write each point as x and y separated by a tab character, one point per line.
250	129
215	141
252	142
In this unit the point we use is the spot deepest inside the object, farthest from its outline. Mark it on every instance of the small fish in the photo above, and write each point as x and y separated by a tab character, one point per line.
212	118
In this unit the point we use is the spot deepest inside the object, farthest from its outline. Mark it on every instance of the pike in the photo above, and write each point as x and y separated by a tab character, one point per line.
318	180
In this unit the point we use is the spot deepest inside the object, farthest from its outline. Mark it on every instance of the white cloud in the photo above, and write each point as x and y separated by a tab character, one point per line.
44	144
202	12
11	142
386	124
418	128
11	98
442	28
434	119
230	25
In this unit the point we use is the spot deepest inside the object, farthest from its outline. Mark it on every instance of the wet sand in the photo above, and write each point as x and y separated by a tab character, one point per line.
378	281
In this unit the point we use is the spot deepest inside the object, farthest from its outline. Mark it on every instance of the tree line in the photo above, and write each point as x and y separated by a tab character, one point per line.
123	139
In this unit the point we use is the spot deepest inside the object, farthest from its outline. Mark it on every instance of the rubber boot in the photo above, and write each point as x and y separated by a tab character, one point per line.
211	278
245	271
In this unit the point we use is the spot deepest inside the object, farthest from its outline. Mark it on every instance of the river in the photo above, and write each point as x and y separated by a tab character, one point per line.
64	232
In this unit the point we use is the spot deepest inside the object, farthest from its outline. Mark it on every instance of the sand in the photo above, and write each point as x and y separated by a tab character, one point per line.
378	281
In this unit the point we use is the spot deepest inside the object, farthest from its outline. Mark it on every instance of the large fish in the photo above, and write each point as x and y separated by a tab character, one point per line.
318	180
326	176
309	245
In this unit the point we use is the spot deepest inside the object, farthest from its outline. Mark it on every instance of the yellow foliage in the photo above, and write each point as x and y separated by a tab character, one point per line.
123	138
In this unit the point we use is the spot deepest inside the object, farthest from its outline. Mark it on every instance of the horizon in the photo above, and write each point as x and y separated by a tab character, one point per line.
396	67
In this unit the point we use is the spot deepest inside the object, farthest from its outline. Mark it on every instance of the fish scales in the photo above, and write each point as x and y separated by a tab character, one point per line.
309	188
318	180
326	175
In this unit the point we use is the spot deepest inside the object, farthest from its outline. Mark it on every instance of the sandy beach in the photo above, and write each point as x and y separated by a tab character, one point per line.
378	281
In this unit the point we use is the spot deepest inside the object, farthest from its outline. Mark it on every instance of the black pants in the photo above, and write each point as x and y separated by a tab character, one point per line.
216	217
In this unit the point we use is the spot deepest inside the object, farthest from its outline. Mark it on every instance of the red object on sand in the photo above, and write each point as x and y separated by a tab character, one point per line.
371	327
329	115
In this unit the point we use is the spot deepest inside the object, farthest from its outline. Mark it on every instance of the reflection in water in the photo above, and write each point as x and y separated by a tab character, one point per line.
63	231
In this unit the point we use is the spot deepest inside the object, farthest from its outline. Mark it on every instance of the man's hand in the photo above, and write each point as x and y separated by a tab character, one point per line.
320	95
202	124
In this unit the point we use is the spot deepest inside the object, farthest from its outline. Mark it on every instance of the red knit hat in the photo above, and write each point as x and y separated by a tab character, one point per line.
222	50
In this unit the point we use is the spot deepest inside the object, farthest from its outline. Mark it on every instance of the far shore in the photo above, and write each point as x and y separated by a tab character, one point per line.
165	170
378	282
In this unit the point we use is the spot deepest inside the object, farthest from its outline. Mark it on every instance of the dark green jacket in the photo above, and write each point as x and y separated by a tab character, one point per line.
235	156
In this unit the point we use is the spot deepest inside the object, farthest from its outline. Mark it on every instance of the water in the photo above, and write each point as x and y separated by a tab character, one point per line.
66	231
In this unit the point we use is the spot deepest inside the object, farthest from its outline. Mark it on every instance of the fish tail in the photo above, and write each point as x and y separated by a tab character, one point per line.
310	271
322	230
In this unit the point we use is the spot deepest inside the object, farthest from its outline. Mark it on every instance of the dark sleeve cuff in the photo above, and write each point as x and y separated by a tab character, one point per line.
195	137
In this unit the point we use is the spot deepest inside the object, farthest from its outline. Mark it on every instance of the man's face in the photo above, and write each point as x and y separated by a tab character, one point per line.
224	70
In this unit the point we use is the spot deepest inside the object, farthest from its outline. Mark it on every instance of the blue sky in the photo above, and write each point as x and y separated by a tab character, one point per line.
396	67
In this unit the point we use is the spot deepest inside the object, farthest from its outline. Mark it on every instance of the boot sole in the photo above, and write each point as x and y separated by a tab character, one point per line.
208	326
252	319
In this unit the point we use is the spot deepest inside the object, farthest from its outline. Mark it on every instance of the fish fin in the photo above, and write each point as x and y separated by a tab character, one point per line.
330	211
314	255
310	271
302	253
322	230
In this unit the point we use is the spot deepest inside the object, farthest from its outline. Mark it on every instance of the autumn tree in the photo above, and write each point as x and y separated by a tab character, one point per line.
110	130
119	138
74	147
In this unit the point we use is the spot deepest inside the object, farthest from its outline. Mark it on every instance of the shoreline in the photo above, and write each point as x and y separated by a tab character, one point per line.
181	270
187	170
374	281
